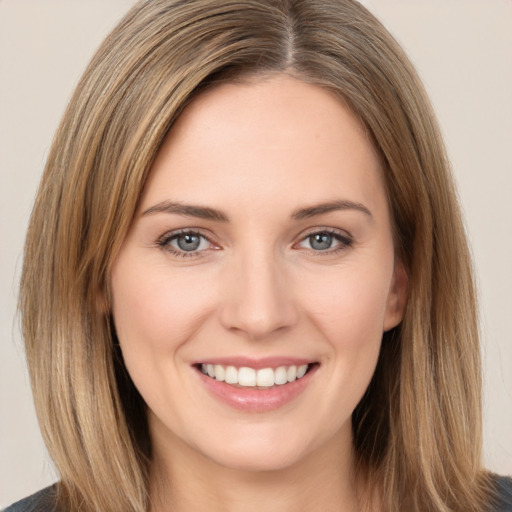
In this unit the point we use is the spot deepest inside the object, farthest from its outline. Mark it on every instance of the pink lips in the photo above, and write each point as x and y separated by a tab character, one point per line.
252	399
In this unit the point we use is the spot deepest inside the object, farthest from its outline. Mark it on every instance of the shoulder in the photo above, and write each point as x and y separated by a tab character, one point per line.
42	501
503	487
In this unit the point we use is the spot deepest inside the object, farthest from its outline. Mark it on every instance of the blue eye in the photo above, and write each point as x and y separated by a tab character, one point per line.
326	241
188	243
321	241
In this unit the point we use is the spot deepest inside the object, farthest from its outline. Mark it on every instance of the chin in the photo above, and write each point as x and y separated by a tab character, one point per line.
260	451
257	460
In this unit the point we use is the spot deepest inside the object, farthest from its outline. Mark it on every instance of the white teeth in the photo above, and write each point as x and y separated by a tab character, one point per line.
265	377
220	373
301	371
280	376
246	376
231	376
249	377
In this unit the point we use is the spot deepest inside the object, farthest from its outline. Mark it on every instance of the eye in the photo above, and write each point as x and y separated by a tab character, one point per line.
321	241
327	241
185	243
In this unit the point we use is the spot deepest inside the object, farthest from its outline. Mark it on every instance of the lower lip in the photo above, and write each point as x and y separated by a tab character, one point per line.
257	400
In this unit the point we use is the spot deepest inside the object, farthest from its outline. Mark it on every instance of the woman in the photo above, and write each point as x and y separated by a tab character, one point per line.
246	281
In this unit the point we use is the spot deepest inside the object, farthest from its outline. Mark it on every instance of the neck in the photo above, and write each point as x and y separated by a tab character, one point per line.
187	481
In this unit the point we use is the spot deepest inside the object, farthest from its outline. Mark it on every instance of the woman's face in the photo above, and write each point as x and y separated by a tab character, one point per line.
262	244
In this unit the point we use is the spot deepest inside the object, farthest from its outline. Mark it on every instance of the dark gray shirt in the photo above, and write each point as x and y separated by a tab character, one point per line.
44	501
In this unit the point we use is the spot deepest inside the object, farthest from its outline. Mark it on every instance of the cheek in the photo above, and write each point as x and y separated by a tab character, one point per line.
154	311
346	309
349	306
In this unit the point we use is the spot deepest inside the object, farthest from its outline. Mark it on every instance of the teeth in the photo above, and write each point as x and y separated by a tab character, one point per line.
265	377
249	377
220	373
231	376
246	376
280	376
301	371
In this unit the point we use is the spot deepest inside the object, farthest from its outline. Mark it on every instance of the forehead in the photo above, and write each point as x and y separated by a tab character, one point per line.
243	141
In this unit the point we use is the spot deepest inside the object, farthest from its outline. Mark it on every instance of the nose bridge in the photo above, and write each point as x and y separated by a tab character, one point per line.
258	300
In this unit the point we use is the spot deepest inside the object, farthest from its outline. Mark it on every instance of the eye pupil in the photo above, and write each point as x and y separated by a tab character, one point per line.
188	242
321	241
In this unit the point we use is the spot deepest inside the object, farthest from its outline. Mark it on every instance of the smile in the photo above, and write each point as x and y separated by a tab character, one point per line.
262	386
252	377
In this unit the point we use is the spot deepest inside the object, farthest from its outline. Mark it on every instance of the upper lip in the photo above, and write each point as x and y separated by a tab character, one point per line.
256	363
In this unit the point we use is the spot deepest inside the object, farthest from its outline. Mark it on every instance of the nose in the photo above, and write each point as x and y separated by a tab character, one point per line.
258	300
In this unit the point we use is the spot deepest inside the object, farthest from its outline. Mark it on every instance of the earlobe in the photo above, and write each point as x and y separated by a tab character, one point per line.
397	297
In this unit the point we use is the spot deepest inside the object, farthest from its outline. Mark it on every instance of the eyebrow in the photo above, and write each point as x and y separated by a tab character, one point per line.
204	212
187	210
319	209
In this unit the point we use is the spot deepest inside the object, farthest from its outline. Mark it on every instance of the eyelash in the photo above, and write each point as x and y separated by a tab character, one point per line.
165	240
344	240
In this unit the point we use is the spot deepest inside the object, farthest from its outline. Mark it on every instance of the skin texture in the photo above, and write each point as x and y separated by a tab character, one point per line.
256	286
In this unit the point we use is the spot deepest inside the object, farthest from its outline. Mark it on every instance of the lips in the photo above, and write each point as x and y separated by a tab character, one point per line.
256	385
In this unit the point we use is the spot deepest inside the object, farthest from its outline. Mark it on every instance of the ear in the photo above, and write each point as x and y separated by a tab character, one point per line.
397	297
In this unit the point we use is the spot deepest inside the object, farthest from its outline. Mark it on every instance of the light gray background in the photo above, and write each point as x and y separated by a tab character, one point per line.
463	51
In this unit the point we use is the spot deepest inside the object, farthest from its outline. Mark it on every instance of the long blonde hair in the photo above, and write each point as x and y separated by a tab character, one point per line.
417	431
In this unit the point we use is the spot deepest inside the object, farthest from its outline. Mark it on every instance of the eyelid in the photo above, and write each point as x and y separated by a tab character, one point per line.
325	229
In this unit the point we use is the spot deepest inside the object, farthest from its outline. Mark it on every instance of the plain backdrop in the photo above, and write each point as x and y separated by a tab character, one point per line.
462	50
